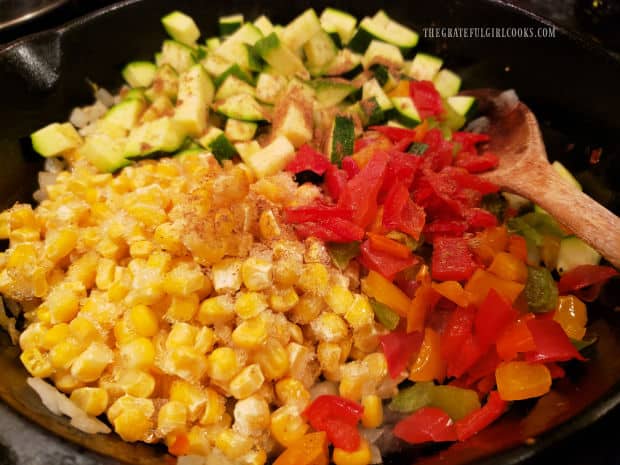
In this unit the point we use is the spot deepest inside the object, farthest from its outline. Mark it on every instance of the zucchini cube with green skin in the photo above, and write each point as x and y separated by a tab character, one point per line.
382	52
264	25
181	27
575	252
272	158
136	93
161	135
381	27
320	50
139	73
232	85
195	95
177	55
126	113
213	43
330	92
269	87
106	153
301	29
216	141
241	106
447	83
339	22
368	111
341	139
247	149
423	67
240	131
372	89
279	56
405	111
166	82
234	49
464	105
161	106
294	121
55	139
344	64
229	24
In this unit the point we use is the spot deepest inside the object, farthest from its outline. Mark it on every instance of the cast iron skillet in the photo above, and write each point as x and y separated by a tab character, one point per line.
569	83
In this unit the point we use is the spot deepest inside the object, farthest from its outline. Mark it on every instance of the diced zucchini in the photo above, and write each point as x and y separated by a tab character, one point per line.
452	120
264	25
166	83
139	73
296	123
301	30
161	135
369	111
405	111
189	152
269	87
233	48
320	50
177	55
381	27
195	95
55	139
272	158
341	139
280	57
113	130
447	83
126	113
373	89
423	67
464	105
160	106
575	252
566	175
229	24
216	141
338	22
345	64
213	43
302	88
242	106
232	85
236	71
137	93
255	62
181	27
216	65
330	93
381	52
247	149
240	131
106	153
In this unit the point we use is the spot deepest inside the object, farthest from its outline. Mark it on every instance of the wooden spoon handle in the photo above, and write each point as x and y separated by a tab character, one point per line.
576	211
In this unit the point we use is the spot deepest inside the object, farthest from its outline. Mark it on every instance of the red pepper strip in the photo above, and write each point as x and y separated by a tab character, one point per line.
552	343
393	133
384	263
439	228
426	98
338	417
477	218
360	193
485	366
459	327
308	159
398	348
402	168
428	424
401	213
469	353
468	140
555	370
342	435
493	317
477	163
315	212
590	293
330	230
480	419
451	259
350	166
438	155
381	243
583	276
335	181
471	181
362	142
445	187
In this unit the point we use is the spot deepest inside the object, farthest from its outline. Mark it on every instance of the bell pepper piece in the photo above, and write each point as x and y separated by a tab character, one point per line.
470	352
364	155
509	267
310	449
398	348
338	417
458	328
466	180
429	424
386	264
380	243
469	140
342	254
350	167
572	315
180	445
308	159
477	219
494	315
335	181
425	299
429	365
401	90
555	370
480	419
451	259
482	281
453	291
394	133
486	244
541	291
385	315
477	163
426	99
484	367
516	338
517	246
456	402
330	230
413	398
583	276
552	343
401	169
521	380
317	212
376	286
400	213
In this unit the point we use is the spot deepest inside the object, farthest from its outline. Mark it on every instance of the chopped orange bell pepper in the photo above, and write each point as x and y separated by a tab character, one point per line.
377	224
508	266
489	242
572	315
429	365
522	380
516	338
420	131
310	449
180	445
385	244
421	305
518	247
453	291
376	286
482	281
401	90
363	156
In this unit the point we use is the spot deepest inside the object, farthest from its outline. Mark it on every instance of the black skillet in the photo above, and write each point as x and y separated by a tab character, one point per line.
569	83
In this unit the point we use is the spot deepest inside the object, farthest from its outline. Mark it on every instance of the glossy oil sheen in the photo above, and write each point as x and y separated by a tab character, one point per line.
571	85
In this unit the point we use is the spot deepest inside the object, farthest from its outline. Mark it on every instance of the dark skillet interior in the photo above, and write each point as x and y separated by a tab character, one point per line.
571	86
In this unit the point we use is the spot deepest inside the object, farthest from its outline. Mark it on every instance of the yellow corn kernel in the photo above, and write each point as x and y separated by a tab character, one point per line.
250	334
56	334
169	237
199	442
5	224
185	362
92	400
252	415
172	417
314	278
282	300
66	382
373	411
184	279
354	375
254	457
329	327
204	340
295	333
291	391
233	444
91	363
360	313
273	359
83	330
192	396
105	273
62	355
40	285
339	299
182	308
256	274
131	417
247	382
268	225
181	334
108	248
147	213
222	364
377	365
329	355
36	363
307	309
32	336
143	320
139	354
250	304
141	249
121	285
22	215
367	339
159	260
84	269
214	407
216	310
137	383
227	275
60	243
63	303
287	425
123	333
286	271
22	235
302	363
362	456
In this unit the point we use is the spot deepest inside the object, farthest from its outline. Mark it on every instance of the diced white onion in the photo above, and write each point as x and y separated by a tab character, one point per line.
375	455
104	97
506	101
78	118
54	165
479	125
371	434
323	388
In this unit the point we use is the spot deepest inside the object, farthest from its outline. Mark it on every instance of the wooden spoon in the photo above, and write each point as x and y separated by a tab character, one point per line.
525	170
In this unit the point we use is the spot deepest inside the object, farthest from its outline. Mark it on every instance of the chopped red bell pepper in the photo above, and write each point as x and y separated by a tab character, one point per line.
459	326
398	348
485	366
451	259
468	140
475	163
428	424
466	357
315	212
494	315
426	98
350	167
438	155
393	133
477	218
402	168
330	230
335	181
308	159
444	228
466	180
481	418
384	263
338	417
552	343
555	370
401	213
583	276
